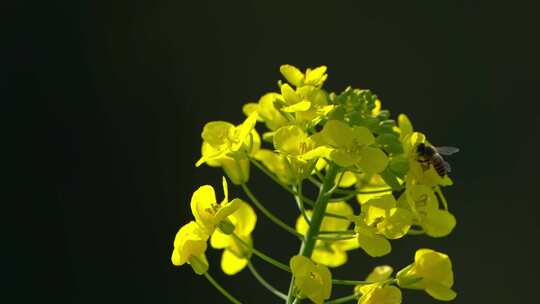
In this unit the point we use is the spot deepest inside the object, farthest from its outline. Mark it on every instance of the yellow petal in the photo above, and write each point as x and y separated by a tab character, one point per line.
268	112
301	225
227	209
346	179
441	292
175	258
344	158
316	77
203	206
338	134
404	125
293	75
289	95
372	160
209	155
220	240
332	223
250	108
380	273
438	223
301	106
362	136
216	132
329	255
384	295
397	224
373	244
244	219
231	264
237	170
289	140
189	240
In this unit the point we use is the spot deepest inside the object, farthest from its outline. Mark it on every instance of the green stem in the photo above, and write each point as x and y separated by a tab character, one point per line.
344	191
336	232
355	282
335	238
329	214
314	181
343	198
349	282
268	214
261	255
441	196
345	299
264	283
221	289
300	203
277	181
319	208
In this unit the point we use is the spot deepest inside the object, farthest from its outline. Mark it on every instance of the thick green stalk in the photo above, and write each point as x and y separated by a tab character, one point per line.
319	208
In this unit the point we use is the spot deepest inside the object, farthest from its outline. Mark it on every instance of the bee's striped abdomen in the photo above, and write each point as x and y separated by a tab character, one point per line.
438	164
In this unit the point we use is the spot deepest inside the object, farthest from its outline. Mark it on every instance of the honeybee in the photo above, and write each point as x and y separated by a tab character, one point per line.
432	155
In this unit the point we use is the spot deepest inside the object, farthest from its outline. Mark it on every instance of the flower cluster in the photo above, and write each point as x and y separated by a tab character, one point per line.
350	149
222	223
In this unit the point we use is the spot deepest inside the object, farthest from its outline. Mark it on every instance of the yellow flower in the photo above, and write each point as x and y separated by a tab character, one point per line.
352	146
300	150
423	203
189	247
391	221
227	146
312	281
370	183
405	126
277	164
418	174
267	111
294	76
381	219
373	243
236	256
377	294
432	272
207	212
330	253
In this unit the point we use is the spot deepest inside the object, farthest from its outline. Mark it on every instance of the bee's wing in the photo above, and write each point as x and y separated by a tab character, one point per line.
447	166
447	150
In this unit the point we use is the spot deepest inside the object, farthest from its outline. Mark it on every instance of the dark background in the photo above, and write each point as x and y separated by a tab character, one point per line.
105	101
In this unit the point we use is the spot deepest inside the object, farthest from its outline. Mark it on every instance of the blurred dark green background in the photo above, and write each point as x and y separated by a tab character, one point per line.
112	96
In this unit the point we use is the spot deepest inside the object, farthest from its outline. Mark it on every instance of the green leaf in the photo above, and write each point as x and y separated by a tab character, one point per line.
399	165
391	179
390	143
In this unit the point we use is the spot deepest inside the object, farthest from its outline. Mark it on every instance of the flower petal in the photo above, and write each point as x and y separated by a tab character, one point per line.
231	264
380	273
372	160
203	205
337	134
441	292
373	244
438	223
293	75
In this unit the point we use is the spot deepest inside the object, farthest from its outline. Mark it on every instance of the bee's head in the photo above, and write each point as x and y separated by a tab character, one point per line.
423	149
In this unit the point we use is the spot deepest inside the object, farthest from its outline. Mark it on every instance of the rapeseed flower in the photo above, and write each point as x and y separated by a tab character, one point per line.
235	255
190	246
432	272
313	281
